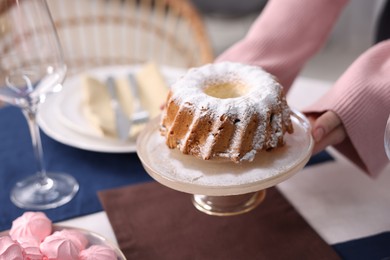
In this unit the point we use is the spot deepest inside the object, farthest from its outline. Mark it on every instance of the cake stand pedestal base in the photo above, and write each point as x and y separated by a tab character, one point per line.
228	205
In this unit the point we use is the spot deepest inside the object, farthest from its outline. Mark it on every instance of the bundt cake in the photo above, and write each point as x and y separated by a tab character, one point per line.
225	110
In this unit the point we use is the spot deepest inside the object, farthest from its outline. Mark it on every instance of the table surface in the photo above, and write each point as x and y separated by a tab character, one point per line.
336	198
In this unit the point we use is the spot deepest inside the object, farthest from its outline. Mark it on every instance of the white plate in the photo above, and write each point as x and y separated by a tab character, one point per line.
60	117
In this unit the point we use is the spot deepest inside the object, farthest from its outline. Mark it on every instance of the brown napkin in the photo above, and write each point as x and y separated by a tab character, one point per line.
151	221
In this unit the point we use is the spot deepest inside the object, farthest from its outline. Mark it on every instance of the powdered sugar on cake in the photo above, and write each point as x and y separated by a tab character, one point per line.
258	99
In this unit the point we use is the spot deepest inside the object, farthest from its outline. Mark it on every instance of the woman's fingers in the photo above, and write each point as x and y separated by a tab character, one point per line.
327	129
325	124
336	136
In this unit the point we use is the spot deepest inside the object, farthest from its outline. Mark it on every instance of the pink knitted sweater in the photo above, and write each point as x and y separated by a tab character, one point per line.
287	34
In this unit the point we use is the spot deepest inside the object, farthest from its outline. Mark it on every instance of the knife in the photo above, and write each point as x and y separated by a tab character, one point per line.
122	122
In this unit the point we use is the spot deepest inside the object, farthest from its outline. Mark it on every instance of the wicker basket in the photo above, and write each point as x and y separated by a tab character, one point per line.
96	33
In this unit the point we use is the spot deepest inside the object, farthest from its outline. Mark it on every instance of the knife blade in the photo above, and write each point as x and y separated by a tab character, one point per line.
122	122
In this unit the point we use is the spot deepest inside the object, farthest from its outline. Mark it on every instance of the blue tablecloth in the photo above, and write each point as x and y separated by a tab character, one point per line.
371	247
94	171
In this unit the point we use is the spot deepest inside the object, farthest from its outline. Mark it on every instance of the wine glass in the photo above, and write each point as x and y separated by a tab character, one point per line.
31	67
387	138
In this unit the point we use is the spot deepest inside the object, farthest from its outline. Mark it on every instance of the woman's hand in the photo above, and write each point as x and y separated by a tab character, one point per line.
327	129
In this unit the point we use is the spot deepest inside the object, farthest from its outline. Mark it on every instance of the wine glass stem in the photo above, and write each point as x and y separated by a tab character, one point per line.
31	116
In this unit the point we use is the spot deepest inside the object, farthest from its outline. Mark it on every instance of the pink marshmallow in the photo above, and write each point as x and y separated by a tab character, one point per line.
9	249
31	249
75	236
57	247
35	224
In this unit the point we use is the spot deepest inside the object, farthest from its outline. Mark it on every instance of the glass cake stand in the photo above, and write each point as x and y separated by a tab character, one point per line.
224	188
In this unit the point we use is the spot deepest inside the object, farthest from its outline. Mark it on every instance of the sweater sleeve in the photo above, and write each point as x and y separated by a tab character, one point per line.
285	36
361	98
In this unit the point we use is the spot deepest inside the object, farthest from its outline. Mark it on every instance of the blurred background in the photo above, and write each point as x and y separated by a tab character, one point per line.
228	20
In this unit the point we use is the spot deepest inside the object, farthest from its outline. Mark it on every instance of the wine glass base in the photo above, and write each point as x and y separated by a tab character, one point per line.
228	205
59	189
